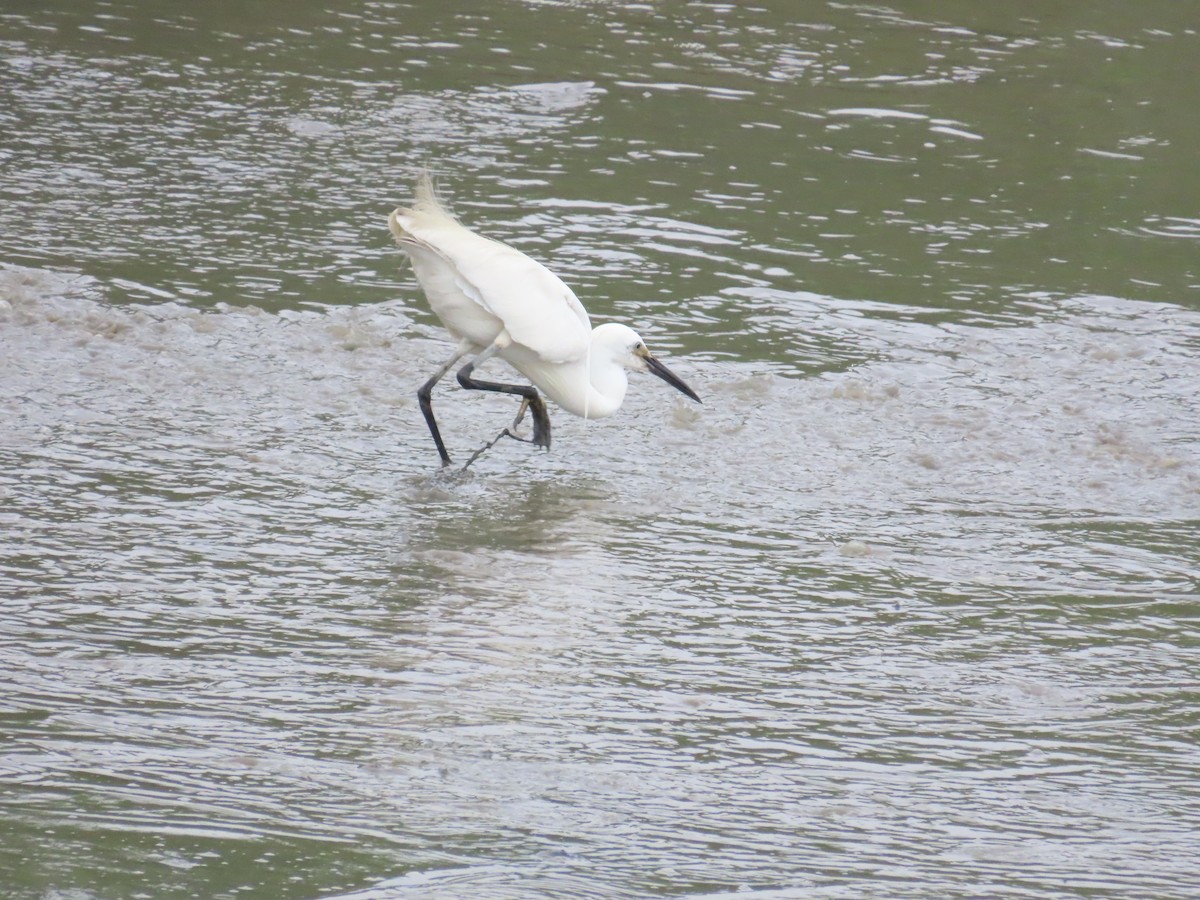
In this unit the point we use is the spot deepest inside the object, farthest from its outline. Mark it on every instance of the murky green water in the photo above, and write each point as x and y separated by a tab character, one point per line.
908	607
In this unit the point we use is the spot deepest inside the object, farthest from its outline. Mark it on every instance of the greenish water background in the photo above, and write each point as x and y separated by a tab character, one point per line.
906	609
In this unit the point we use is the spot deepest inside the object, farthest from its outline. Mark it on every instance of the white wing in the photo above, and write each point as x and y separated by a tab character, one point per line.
537	309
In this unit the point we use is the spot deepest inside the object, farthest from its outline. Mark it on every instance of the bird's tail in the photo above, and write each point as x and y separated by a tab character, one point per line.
427	198
426	208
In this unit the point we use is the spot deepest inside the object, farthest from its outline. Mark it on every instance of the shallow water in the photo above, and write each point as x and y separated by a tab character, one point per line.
907	608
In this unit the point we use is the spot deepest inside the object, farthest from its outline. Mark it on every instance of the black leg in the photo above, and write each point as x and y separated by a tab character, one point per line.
425	396
537	406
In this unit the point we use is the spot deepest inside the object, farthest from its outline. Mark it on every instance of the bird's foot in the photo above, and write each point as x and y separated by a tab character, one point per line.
541	429
541	423
540	439
516	435
507	432
520	413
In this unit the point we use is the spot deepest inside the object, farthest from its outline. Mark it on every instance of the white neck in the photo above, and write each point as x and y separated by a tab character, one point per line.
602	379
607	383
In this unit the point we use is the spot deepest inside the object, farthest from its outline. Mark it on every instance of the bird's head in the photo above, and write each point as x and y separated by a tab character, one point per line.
624	346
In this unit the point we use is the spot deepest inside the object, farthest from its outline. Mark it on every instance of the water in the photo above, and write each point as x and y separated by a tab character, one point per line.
906	609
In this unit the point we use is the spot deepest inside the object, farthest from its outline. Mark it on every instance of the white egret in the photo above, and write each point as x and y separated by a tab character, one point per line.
499	302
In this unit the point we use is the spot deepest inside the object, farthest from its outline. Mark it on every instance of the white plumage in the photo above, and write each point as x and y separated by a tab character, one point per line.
498	301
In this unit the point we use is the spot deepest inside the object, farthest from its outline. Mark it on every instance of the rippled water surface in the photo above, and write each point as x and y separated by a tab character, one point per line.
907	607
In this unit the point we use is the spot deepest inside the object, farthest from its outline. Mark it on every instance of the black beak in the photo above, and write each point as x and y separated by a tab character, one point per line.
669	377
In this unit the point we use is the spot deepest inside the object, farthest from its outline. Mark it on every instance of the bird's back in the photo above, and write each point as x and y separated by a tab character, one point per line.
479	287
